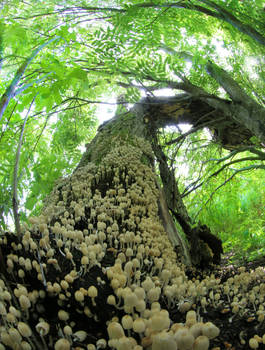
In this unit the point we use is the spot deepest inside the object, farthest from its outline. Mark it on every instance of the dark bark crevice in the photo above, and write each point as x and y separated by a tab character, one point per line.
218	115
205	247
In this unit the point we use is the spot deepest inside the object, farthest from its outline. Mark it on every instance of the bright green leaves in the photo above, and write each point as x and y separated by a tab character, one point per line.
55	92
65	33
132	95
45	99
14	34
45	172
78	74
78	78
31	201
57	68
98	53
233	209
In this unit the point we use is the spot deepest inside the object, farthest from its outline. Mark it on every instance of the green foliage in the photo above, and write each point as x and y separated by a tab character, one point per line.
234	209
237	215
110	51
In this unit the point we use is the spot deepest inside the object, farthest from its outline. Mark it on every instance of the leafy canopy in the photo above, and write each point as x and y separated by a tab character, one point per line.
60	60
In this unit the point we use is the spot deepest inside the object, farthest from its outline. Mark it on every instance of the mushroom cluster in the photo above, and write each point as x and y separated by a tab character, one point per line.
99	252
159	334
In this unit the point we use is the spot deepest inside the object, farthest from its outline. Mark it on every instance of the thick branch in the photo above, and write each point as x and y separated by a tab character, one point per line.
193	130
230	163
219	13
231	19
232	88
170	227
243	109
239	150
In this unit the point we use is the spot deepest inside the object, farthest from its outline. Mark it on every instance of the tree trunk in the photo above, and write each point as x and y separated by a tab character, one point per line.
203	245
127	130
102	227
104	231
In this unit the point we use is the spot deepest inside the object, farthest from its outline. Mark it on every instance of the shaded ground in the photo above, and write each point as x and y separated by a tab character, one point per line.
235	329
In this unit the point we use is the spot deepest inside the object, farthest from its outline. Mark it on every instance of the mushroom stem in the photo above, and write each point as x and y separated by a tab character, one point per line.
45	346
42	271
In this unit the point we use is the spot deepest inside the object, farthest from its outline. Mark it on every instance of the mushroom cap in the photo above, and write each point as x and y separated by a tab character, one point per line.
159	321
15	335
253	343
111	300
67	330
24	329
24	302
127	322
24	346
80	335
43	328
196	329
92	292
91	347
62	344
163	341
139	325
79	296
115	330
191	314
184	339
101	343
63	315
210	330
130	299
201	343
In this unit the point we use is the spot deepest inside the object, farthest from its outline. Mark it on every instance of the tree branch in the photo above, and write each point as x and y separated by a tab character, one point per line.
10	91
8	120
26	86
191	131
231	19
219	13
230	163
250	167
239	150
186	192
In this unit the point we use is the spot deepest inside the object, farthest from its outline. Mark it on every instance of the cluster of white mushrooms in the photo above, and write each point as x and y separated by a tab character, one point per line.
111	210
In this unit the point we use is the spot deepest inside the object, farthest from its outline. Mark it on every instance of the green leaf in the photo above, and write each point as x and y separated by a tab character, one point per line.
79	74
30	202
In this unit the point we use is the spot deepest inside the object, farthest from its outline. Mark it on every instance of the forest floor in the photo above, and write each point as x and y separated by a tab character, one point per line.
235	329
226	262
